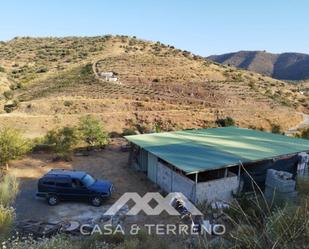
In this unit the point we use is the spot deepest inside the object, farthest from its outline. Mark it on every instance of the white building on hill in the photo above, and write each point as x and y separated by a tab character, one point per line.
109	76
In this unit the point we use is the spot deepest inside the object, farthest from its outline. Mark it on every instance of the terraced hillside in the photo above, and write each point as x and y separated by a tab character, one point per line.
4	82
158	84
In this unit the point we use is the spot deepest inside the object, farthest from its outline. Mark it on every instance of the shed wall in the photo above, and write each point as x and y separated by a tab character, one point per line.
152	167
171	181
217	190
258	170
164	177
143	160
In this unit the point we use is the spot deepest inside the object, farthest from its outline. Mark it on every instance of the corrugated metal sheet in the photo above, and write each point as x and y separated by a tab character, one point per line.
214	148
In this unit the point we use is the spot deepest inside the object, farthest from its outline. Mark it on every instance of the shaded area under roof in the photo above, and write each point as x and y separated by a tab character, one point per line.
214	148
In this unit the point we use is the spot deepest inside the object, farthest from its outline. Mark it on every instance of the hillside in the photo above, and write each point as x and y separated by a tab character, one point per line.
286	66
54	81
5	83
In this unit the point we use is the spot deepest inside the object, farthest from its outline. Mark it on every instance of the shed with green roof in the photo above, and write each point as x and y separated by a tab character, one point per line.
206	154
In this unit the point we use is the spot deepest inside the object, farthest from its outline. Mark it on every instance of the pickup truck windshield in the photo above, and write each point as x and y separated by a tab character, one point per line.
88	180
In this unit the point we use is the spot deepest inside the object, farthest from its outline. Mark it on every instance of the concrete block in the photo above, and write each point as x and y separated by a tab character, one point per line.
280	185
283	187
280	180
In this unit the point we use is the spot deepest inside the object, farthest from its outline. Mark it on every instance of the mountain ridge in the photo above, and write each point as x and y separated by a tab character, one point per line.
283	66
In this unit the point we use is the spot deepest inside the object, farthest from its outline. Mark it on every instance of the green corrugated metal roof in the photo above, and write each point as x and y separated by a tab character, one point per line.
214	148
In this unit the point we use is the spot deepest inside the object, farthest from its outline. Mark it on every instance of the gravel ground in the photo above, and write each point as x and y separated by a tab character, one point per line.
109	164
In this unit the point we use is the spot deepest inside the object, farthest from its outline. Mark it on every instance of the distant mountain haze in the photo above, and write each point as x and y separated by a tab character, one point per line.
285	66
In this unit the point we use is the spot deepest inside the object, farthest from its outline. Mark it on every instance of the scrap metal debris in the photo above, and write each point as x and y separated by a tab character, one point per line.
38	228
70	225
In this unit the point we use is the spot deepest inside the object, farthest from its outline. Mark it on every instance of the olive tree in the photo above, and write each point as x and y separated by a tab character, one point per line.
62	141
12	145
92	131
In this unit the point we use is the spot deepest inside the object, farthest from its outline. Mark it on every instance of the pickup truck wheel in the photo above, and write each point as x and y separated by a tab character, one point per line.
52	200
96	201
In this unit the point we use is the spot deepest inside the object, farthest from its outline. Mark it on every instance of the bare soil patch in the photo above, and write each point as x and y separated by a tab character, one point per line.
110	163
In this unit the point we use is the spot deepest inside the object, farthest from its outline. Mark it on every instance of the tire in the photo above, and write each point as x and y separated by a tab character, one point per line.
52	200
96	201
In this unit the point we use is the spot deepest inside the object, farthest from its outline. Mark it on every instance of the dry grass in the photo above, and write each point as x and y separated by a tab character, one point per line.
58	242
6	220
8	191
160	84
9	187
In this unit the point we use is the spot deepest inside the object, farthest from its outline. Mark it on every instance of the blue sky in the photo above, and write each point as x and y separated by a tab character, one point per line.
202	26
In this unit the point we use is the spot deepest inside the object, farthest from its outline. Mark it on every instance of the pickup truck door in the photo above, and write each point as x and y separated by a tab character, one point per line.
81	192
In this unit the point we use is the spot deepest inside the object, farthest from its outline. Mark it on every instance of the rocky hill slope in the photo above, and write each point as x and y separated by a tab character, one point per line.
54	81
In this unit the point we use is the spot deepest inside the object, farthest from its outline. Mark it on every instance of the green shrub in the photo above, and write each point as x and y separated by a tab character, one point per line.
276	129
128	132
158	126
252	85
92	131
224	122
8	94
237	77
11	106
68	103
9	187
305	133
8	191
7	216
62	141
143	128
2	70
114	134
268	92
12	145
